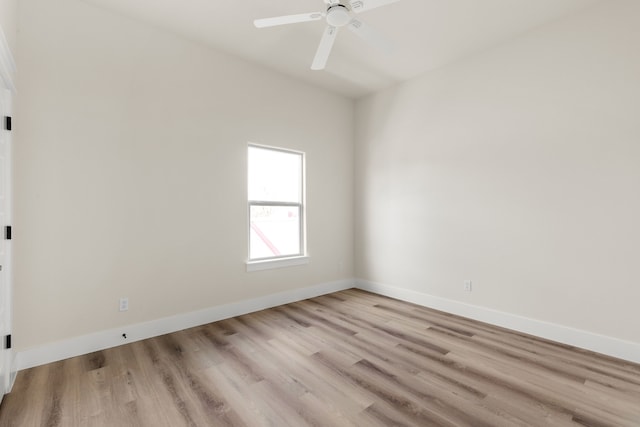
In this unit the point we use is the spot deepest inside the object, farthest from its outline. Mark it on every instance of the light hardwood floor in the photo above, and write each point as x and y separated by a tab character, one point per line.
347	359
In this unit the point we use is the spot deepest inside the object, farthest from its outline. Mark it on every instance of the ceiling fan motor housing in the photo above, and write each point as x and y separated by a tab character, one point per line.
338	15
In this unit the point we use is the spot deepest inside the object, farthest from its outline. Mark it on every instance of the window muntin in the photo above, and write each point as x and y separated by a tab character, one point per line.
275	198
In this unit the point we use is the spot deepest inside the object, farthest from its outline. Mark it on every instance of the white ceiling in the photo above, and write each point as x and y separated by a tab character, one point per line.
427	34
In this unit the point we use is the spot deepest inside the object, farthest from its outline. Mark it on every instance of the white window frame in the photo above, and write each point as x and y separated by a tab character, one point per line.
280	261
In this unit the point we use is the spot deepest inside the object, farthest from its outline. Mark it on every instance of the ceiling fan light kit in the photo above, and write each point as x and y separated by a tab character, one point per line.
338	15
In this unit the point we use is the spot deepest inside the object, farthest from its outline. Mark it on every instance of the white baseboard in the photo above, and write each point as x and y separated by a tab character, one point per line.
111	338
615	347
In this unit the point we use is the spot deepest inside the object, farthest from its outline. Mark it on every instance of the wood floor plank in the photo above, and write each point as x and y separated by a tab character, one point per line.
349	359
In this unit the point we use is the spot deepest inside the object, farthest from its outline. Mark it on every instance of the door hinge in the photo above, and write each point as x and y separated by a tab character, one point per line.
7	122
7	232
7	342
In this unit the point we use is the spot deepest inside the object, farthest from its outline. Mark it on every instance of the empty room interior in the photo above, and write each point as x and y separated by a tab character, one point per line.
320	213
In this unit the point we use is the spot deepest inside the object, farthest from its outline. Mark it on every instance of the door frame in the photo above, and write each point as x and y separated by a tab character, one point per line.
7	86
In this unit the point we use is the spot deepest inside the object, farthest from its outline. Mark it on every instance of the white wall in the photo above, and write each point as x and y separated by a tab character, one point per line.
131	173
8	22
519	169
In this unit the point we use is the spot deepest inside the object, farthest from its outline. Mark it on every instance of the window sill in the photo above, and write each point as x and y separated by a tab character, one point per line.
276	263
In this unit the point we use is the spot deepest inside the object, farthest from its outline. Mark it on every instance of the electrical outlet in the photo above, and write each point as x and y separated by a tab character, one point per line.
124	304
467	285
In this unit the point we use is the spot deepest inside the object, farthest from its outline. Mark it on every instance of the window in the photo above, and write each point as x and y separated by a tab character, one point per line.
276	203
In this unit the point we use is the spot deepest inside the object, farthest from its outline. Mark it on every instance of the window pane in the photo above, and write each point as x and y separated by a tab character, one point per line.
274	176
274	231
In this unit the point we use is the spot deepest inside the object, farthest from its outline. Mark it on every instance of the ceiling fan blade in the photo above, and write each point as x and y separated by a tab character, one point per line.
370	35
324	49
287	19
363	5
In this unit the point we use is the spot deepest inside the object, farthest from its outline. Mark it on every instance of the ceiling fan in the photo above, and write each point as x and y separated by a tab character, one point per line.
338	15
